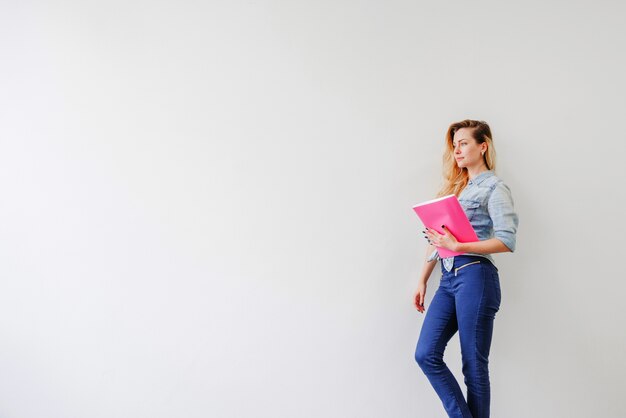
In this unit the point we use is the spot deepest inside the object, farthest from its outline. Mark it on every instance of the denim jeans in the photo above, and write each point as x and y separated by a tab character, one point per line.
467	300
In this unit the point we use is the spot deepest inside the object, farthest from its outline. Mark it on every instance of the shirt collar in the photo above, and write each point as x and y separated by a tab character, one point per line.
481	177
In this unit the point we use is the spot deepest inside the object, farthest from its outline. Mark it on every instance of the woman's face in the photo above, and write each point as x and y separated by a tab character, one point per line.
467	152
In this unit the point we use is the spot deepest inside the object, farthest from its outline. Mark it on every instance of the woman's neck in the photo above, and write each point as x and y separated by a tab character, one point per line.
474	171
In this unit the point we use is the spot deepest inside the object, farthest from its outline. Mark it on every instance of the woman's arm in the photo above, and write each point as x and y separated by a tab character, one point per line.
428	266
427	269
488	246
447	240
505	220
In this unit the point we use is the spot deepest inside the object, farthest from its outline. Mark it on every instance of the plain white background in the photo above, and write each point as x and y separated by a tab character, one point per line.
205	207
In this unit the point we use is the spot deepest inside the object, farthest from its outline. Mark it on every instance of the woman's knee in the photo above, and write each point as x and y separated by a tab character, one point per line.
476	374
426	358
420	356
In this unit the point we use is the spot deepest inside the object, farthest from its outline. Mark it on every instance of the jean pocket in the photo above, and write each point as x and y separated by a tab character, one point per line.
496	285
465	265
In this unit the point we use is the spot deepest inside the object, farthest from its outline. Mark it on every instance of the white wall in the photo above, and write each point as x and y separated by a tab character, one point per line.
205	207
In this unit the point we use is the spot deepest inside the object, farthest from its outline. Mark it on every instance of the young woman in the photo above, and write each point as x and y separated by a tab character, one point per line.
468	295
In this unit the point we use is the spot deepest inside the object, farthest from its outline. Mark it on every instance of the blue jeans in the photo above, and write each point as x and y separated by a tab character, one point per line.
467	300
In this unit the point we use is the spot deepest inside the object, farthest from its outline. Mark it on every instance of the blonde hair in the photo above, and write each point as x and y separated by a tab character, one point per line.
455	178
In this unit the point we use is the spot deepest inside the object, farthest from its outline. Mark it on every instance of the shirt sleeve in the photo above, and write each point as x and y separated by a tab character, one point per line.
502	212
434	256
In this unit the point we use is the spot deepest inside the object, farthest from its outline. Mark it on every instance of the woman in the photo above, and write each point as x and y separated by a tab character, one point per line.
468	296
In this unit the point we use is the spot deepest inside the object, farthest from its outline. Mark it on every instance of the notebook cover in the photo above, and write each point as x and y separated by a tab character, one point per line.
446	211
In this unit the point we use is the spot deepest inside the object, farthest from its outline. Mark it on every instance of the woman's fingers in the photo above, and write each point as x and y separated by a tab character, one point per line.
431	234
419	301
439	240
427	235
416	300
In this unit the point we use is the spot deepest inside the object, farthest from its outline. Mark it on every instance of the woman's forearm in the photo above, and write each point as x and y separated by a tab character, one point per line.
428	266
488	246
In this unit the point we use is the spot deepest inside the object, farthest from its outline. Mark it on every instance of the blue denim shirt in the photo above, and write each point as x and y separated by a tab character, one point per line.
488	204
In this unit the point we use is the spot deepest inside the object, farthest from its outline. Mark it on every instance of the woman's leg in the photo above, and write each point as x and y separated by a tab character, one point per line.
440	324
477	301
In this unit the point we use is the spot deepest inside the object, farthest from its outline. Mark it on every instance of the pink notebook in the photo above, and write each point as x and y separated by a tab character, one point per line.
446	211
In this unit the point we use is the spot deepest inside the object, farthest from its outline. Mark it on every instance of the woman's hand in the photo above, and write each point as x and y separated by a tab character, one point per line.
445	240
419	296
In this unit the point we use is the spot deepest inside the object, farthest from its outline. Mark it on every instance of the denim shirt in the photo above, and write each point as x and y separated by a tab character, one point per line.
488	204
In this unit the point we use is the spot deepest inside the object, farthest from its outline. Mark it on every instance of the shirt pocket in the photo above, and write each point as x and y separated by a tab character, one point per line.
470	207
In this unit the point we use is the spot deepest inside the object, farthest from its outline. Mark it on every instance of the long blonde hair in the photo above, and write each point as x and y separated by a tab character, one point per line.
455	178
